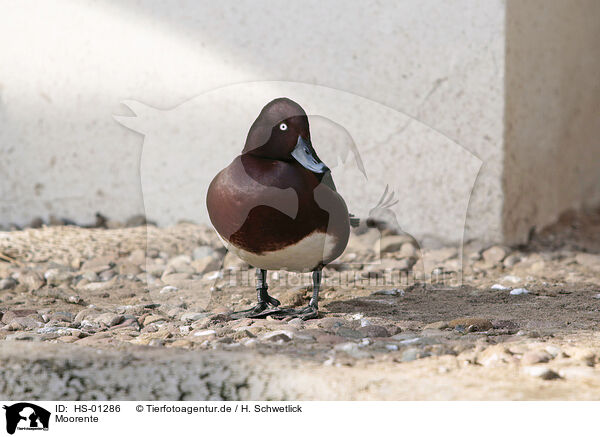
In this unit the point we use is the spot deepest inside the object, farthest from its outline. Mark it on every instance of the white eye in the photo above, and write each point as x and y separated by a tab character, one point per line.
283	126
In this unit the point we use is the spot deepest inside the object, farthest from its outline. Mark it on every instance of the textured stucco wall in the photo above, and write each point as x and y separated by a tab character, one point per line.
552	159
66	65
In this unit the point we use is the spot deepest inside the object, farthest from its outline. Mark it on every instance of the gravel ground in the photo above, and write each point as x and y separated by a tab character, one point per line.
520	325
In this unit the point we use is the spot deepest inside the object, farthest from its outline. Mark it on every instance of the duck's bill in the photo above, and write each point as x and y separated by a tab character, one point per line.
307	157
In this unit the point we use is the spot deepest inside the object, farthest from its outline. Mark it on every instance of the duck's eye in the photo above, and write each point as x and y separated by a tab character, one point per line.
283	126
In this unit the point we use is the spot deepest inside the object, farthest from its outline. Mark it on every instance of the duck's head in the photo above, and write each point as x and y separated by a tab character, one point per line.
281	132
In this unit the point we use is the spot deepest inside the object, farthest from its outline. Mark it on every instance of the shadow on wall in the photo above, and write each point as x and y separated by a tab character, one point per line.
552	112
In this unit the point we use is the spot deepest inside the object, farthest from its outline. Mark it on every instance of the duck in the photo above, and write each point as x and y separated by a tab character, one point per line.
277	208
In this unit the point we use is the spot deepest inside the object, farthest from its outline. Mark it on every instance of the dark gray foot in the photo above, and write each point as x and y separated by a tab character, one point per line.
266	304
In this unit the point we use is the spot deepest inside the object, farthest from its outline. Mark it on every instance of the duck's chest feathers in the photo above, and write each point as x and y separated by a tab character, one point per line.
304	255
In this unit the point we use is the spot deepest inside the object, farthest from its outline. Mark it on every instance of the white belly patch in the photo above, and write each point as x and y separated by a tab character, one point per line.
302	256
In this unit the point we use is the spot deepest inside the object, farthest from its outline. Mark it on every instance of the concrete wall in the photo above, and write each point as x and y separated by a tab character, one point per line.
66	66
69	65
552	159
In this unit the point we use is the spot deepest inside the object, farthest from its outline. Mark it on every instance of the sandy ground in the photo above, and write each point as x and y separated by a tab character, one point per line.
522	323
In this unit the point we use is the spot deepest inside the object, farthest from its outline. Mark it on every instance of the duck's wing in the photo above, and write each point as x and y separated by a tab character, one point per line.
328	181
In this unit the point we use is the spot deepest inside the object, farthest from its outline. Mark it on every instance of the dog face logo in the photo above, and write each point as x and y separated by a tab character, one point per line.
26	416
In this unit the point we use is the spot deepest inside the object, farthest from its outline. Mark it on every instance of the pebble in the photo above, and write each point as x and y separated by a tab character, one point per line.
410	354
499	287
57	276
494	254
391	292
519	291
374	331
436	325
204	333
168	289
153	318
391	243
351	349
90	276
535	357
553	350
109	319
7	284
10	315
391	347
544	373
281	335
478	324
32	280
192	317
324	338
511	278
588	260
24	336
202	252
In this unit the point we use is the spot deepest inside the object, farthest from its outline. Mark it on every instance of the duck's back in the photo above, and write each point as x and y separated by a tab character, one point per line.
277	215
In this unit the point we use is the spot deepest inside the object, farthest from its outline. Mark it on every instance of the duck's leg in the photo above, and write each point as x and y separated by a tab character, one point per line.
265	304
312	310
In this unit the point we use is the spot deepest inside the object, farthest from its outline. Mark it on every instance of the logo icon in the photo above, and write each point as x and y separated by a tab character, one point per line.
26	416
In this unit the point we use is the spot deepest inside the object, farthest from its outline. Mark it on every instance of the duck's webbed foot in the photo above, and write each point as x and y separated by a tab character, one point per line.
266	304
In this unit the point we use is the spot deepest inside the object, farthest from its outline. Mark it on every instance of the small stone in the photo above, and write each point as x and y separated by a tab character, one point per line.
62	316
410	354
391	347
168	289
202	252
544	373
365	322
494	255
519	291
553	350
511	278
499	287
276	336
330	323
57	276
588	260
90	276
24	336
206	264
32	280
390	292
511	260
10	315
242	334
478	324
391	243
22	323
108	319
204	333
107	275
99	264
86	313
374	331
325	338
407	250
535	357
192	317
349	333
436	325
153	318
586	356
129	268
7	284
